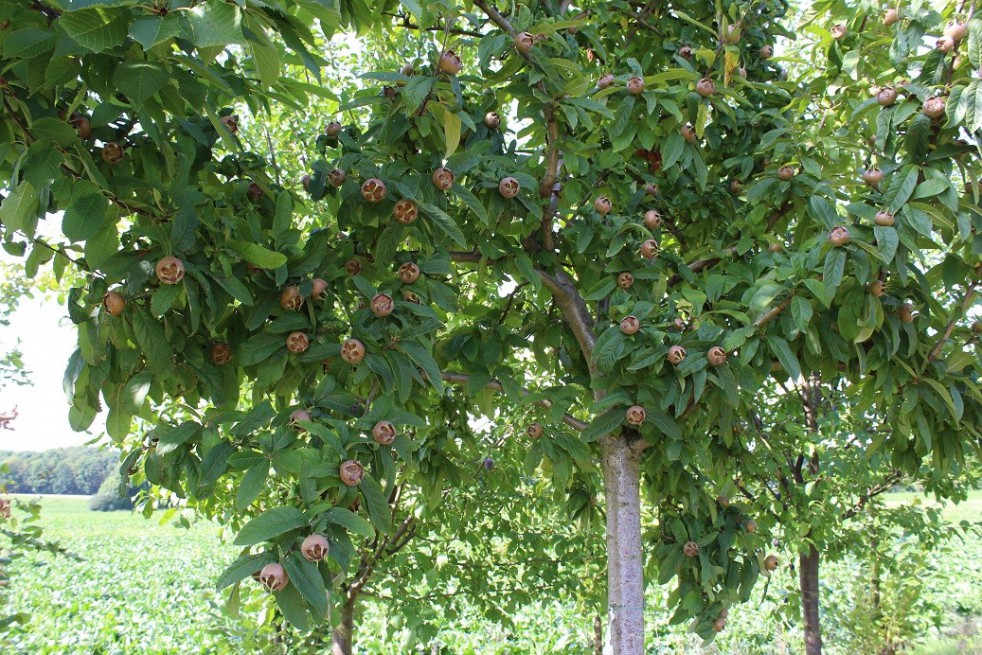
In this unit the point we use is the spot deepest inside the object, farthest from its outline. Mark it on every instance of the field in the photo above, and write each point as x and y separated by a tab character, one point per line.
147	588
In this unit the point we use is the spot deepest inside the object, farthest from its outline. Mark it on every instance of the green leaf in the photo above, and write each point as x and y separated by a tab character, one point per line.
376	504
216	23
975	43
350	521
148	31
305	576
451	131
18	209
444	223
102	245
243	567
28	43
607	423
270	524
801	312
256	254
96	28
887	242
835	266
251	485
140	80
423	359
823	210
294	609
164	298
785	356
177	436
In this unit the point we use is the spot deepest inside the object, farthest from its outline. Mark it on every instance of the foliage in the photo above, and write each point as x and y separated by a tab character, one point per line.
113	495
78	470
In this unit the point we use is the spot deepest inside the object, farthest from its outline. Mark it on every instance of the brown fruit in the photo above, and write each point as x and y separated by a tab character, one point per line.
443	179
333	129
886	96
352	266
770	562
352	351
315	548
839	236
688	133
705	87
685	52
635	415
678	324
890	17
299	415
651	189
382	305
534	430
603	205
652	219
170	270
273	577
906	313
736	186
230	124
255	192
373	190
409	296
297	342
114	302
649	249
873	177
384	433
408	70
956	31
775	247
785	173
492	120
605	81
83	126
318	287
884	219
408	273
336	177
676	355
351	472
742	72
716	356
112	153
934	107
449	63
946	44
405	211
750	526
690	549
305	182
766	52
290	298
625	280
630	325
719	624
220	354
838	31
723	501
635	86
876	288
524	42
509	187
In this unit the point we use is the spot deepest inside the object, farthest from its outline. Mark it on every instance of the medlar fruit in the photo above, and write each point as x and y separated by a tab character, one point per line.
382	305
114	302
297	342
449	63
509	187
934	107
112	153
351	472
524	42
956	31
625	280
443	178
906	313
785	173
336	177
884	219
220	354
750	526
886	96
876	287
170	270
290	298
492	120
408	273
373	190
405	211
649	249
651	189
352	351
890	17
873	177
230	124
315	548
946	44
716	356
630	325
605	81
318	287
273	576
705	87
333	129
652	219
685	52
839	236
676	355
766	52
352	266
770	562
384	433
690	549
838	31
299	415
603	205
534	430
83	126
635	415
635	86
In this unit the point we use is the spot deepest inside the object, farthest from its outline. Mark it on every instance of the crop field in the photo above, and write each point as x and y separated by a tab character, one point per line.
144	587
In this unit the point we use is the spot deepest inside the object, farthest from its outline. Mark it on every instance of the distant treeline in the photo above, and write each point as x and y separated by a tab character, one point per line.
78	470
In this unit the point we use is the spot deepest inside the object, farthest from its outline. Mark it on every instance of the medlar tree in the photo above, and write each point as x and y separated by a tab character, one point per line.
545	148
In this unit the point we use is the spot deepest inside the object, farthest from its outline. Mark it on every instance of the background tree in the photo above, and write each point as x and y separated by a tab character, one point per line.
647	181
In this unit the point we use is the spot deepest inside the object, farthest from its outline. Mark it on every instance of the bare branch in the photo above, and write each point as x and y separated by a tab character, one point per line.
764	319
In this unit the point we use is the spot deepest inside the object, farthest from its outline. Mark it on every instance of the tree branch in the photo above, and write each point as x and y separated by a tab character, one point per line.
936	351
497	18
764	319
889	481
461	378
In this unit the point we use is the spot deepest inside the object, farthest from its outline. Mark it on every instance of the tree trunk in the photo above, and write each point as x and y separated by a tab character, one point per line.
625	579
808	578
341	638
598	635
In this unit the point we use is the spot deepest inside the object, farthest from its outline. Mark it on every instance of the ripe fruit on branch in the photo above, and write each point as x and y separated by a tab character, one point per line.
838	31
373	190
719	624
630	325
775	247
408	70
605	81
318	287
678	324
336	177
315	548
220	354
305	181
946	44
705	87
230	124
676	355
255	192
112	153
488	463
649	249
524	42
352	351
736	186
956	31
635	415
750	526
534	430
876	288
886	96
352	266
408	273
690	549
635	86
766	52
770	562
351	472
449	63
716	356
509	187
723	501
890	17
273	576
83	126
934	107
785	173
625	280
297	342
443	178
685	52
839	236
688	133
382	305
333	129
405	211
651	189
492	120
906	313
409	296
299	415
290	298
602	205
873	177
384	433
884	219
170	270
652	219
114	302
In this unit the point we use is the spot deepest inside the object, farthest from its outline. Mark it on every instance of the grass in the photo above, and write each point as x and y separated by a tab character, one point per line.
147	588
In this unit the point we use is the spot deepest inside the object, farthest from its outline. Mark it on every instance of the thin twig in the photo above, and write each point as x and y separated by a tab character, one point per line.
461	378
